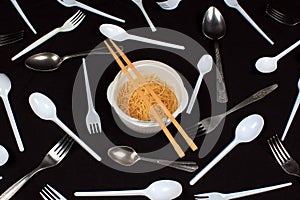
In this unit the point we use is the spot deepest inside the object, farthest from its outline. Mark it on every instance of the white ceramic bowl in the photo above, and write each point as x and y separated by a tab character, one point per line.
164	73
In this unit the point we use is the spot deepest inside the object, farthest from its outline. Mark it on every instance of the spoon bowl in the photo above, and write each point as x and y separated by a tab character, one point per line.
5	85
205	64
249	128
213	24
266	64
42	106
114	32
163	189
45	61
123	155
232	3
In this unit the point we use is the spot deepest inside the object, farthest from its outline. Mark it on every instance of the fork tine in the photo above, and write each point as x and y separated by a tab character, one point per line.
11	38
99	128
67	143
274	151
75	24
91	129
282	147
280	152
54	192
80	14
73	16
44	196
8	35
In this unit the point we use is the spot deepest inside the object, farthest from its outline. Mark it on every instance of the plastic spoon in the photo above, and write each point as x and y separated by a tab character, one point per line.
269	64
5	86
204	66
117	33
246	131
127	156
295	108
235	4
139	3
159	190
46	109
73	3
3	156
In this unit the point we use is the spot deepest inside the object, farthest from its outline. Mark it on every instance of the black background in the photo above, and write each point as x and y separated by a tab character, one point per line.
246	167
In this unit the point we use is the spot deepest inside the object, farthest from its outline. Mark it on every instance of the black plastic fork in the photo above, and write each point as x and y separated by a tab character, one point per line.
281	17
10	38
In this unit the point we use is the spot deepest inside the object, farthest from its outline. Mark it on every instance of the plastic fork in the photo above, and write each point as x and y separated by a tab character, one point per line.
92	119
18	8
169	4
139	3
287	163
281	17
52	158
235	195
10	38
49	193
69	25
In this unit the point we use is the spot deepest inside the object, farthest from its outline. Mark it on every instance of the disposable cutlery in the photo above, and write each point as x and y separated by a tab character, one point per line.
169	4
139	3
73	3
127	156
214	28
246	131
3	156
49	193
281	17
159	190
52	158
236	195
204	66
292	115
286	162
5	86
92	119
117	33
269	64
235	4
46	109
69	25
209	124
11	38
16	5
47	61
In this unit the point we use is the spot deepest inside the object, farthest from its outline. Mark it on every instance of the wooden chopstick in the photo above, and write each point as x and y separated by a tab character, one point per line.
189	141
148	104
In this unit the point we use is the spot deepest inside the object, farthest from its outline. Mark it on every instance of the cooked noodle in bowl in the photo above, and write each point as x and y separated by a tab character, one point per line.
124	97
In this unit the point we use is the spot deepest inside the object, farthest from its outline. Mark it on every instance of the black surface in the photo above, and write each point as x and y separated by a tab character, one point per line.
246	167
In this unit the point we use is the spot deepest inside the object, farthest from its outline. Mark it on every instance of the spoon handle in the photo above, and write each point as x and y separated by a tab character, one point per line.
249	19
156	42
77	139
221	88
295	108
13	123
110	193
195	93
236	195
93	10
147	17
288	50
18	8
181	165
213	162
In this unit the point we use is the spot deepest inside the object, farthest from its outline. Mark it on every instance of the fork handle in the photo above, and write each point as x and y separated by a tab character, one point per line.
153	29
12	190
181	165
87	85
236	195
37	43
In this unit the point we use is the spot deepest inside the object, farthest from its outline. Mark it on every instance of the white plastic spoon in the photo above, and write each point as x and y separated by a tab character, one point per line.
246	131
5	86
3	156
46	109
117	33
269	64
235	4
139	3
159	190
73	3
204	66
295	108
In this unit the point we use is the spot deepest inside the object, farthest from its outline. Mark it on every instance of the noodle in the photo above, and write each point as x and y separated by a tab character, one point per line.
130	102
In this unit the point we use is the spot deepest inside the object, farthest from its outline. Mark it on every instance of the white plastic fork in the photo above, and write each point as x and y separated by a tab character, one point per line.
235	195
169	4
139	3
92	119
49	193
73	3
18	8
69	25
295	108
